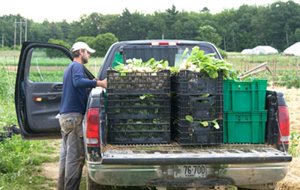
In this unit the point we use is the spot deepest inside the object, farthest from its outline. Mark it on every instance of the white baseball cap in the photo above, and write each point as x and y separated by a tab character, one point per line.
81	45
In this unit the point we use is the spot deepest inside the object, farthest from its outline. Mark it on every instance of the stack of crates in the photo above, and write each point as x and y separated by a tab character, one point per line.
200	97
138	107
244	111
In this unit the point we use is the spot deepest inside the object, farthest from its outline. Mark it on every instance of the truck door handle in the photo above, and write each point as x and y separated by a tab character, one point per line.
52	97
46	98
57	87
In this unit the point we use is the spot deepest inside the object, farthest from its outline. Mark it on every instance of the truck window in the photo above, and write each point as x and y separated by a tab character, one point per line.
173	54
118	59
147	52
47	65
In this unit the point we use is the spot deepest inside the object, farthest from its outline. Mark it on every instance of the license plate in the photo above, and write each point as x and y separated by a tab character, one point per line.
190	171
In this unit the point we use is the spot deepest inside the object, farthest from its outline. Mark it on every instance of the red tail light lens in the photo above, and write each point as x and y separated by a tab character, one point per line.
92	127
284	124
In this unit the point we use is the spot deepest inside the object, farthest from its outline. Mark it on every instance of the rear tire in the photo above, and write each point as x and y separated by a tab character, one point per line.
91	185
270	186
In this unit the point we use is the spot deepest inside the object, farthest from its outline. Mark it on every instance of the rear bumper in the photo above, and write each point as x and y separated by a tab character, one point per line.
163	175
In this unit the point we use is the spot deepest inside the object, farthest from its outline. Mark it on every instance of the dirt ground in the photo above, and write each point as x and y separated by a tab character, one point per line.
290	182
292	179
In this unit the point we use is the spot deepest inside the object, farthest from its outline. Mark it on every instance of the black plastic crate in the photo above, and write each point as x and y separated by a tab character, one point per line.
135	120
189	82
135	107
138	101
194	134
199	107
272	128
138	131
139	82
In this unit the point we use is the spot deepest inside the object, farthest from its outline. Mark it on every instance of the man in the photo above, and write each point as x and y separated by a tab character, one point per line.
72	109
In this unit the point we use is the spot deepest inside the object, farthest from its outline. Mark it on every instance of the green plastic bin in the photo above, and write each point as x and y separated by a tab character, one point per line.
244	96
242	127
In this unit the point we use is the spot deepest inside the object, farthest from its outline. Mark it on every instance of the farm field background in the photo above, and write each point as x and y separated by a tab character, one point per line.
284	76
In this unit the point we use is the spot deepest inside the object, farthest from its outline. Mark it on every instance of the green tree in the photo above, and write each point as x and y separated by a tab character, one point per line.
7	27
296	36
51	53
131	26
283	19
59	42
91	25
170	17
226	23
209	33
102	42
185	26
158	26
87	39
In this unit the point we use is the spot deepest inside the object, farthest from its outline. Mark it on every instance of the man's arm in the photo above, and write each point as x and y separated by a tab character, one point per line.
79	81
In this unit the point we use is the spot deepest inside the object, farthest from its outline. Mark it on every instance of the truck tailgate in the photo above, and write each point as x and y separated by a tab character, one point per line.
166	155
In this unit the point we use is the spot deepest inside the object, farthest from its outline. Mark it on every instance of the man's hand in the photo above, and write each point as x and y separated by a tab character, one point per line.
102	83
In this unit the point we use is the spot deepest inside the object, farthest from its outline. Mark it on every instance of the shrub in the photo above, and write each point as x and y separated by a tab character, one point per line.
294	144
87	39
51	53
223	53
102	42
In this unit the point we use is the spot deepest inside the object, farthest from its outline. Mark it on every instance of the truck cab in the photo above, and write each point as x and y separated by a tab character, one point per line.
163	164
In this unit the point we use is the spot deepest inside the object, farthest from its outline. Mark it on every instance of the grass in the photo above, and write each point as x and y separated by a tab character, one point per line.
18	158
294	144
18	163
7	109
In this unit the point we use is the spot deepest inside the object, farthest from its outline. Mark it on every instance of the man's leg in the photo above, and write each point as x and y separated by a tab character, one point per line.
75	155
62	162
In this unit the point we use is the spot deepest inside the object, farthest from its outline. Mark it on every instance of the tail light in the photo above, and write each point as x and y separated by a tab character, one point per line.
92	128
284	123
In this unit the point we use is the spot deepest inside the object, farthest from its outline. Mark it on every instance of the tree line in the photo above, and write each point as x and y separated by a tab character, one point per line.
277	24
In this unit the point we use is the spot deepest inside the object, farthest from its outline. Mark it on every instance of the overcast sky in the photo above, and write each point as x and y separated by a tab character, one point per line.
70	10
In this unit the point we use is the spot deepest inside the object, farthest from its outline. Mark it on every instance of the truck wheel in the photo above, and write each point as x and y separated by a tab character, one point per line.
91	185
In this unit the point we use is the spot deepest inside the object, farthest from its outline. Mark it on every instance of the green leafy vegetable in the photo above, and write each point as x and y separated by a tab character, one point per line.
204	123
146	96
216	125
205	95
198	61
189	118
137	65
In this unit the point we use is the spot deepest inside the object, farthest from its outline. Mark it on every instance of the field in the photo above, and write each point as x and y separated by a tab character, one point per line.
284	76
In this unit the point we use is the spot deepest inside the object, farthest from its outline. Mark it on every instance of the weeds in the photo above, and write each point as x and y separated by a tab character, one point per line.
294	144
17	161
7	108
17	157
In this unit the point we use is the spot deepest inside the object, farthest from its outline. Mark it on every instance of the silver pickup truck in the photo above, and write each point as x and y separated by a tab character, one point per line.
113	163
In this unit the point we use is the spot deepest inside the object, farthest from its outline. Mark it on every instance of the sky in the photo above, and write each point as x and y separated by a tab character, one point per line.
72	10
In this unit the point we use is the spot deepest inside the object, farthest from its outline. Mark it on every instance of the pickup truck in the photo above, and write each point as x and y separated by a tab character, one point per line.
167	165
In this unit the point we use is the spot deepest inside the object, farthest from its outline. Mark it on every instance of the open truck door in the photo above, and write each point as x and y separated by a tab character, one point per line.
39	87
